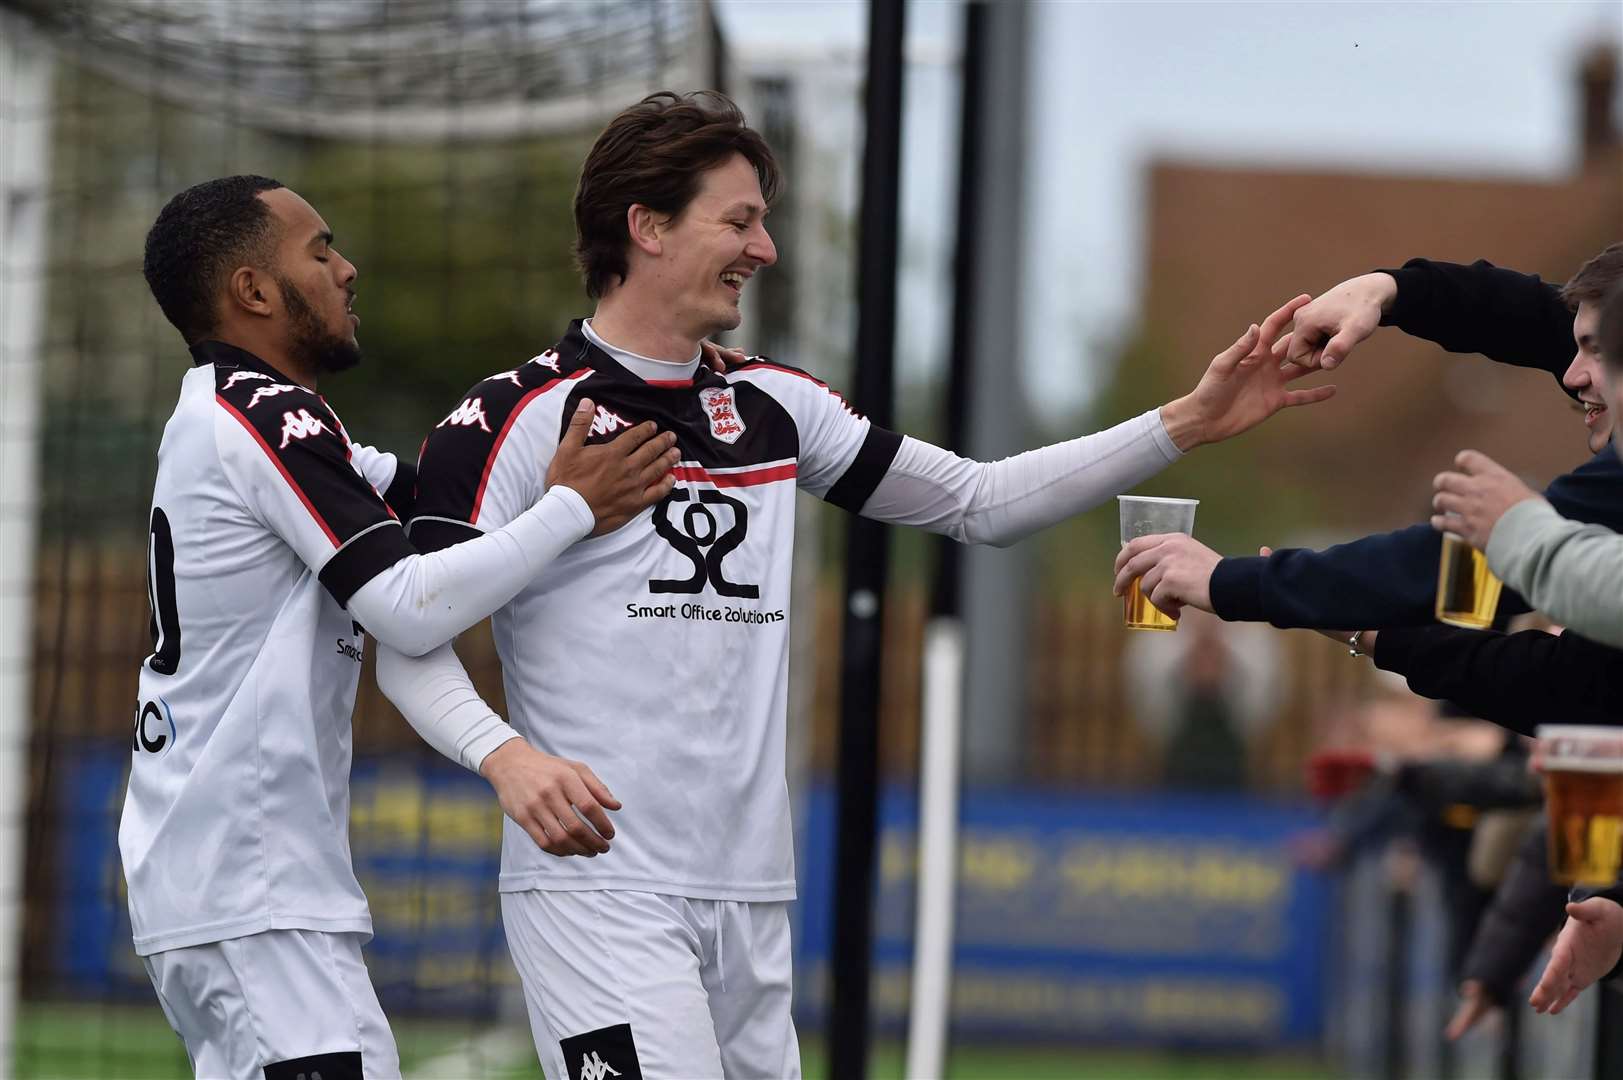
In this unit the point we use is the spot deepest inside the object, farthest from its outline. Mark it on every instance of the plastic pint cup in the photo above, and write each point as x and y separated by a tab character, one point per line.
1467	591
1583	785
1143	516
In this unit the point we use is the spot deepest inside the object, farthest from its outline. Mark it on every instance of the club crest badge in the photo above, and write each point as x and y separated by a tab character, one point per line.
722	410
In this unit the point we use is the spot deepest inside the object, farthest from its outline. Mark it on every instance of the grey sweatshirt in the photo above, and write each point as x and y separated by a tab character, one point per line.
1571	571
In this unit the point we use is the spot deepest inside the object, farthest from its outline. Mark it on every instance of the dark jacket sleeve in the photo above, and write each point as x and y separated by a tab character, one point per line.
1508	317
1526	909
1517	681
1391	579
1502	783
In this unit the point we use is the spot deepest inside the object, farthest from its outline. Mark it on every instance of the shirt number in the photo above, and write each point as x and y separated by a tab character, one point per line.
165	625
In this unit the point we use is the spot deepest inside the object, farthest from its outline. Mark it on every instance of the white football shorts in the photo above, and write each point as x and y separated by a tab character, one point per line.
634	985
276	1006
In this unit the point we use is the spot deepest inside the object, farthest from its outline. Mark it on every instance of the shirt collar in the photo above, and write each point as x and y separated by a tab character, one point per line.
229	357
645	368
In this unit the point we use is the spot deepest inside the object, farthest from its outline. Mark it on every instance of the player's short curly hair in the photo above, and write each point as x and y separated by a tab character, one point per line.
1595	278
654	153
200	237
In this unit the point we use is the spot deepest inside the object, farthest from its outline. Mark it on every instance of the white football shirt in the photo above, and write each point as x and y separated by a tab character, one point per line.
265	520
657	653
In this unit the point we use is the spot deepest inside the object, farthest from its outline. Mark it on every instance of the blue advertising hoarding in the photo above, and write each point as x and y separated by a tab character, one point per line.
1114	919
1132	918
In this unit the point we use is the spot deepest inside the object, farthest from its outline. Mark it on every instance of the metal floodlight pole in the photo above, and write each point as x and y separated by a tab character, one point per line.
941	737
866	553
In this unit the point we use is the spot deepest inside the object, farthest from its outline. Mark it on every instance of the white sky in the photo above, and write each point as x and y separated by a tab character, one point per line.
1447	88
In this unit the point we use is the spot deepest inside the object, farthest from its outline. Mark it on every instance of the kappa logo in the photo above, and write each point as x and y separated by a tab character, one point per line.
548	360
593	1050
595	1068
467	414
243	376
270	392
510	376
607	423
722	409
300	425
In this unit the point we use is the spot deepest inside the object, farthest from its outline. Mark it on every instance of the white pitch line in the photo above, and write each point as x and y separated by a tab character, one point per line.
477	1055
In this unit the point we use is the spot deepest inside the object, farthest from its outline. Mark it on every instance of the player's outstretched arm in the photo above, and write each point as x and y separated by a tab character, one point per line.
1242	387
1587	948
1002	502
561	804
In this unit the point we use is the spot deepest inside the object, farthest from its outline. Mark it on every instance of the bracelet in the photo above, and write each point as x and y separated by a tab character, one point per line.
1352	644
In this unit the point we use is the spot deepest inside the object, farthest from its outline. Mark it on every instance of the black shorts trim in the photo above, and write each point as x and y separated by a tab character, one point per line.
345	1065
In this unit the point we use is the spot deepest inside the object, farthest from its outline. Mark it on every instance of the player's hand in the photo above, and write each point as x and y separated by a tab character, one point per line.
1242	387
1587	948
719	358
1175	570
620	478
1470	502
560	803
1325	331
1474	1005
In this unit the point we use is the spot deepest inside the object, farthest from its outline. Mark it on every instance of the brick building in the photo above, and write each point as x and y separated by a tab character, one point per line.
1404	406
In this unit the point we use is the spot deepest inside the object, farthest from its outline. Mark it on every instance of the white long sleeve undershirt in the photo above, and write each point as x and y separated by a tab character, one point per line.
1001	502
425	600
435	695
974	502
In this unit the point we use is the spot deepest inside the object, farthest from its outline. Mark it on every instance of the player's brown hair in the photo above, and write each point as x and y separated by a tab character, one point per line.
1594	278
654	153
1610	334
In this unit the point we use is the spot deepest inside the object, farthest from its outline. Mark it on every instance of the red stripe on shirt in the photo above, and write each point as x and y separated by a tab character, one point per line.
501	436
669	383
749	478
297	490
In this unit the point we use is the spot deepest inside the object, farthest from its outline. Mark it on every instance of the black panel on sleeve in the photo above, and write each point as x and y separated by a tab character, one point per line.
401	494
852	489
302	438
452	469
437	534
364	558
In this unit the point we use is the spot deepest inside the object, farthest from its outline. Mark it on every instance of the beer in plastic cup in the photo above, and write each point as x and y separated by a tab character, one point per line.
1583	786
1144	516
1467	591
